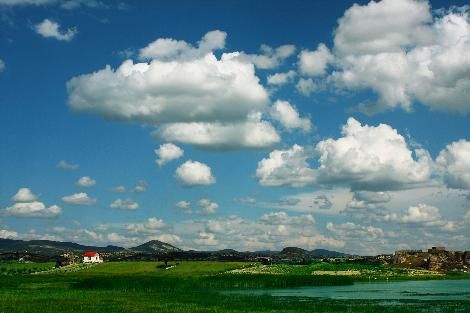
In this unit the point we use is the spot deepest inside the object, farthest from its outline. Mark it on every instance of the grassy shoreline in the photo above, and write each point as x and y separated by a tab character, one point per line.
188	287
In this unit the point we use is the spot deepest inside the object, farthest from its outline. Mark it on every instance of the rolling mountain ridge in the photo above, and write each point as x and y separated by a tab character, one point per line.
154	247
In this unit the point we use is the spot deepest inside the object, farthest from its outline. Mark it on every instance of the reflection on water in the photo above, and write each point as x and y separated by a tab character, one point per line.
397	290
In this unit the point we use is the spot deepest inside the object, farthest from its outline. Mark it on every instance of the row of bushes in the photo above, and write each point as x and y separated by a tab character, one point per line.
17	271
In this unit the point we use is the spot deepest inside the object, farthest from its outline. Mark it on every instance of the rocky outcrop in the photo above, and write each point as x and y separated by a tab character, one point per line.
435	259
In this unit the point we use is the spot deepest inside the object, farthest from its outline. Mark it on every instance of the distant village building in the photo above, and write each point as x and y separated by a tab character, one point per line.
92	257
65	259
265	260
436	249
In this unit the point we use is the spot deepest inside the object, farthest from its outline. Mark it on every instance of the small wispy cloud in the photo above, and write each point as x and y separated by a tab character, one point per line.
51	29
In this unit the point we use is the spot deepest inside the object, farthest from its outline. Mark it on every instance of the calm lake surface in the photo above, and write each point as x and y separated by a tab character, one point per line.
395	290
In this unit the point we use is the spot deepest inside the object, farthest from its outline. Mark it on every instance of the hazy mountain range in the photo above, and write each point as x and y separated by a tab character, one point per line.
52	248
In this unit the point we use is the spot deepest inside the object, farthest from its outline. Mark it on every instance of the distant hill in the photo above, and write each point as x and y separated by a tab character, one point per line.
49	247
151	248
328	253
155	246
295	252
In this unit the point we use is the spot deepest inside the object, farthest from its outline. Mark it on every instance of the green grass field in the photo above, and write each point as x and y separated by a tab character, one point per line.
187	287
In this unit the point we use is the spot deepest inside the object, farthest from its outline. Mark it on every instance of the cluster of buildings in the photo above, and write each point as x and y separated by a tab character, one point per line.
88	257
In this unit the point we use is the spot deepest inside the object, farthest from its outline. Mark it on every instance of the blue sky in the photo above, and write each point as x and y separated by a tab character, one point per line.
236	125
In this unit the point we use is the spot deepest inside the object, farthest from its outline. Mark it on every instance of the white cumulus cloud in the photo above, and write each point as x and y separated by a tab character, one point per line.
183	204
8	234
207	206
80	198
86	181
24	195
33	209
286	167
289	117
373	158
454	162
279	79
204	90
250	134
186	92
314	63
421	213
140	186
282	218
168	152
397	49
152	225
194	173
168	48
126	204
306	86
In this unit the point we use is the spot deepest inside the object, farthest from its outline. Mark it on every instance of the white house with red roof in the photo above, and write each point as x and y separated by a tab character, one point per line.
92	257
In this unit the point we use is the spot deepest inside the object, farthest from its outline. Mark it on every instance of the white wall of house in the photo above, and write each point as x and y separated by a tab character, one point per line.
92	259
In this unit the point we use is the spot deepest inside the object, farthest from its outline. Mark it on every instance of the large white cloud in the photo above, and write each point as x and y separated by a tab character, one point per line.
204	90
27	205
383	26
454	162
80	198
397	49
188	93
33	209
51	29
365	158
24	195
371	158
168	152
194	173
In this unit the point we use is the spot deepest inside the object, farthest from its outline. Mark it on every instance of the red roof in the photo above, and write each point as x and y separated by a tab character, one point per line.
90	253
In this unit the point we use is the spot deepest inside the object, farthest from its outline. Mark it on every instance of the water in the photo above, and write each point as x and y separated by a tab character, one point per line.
396	290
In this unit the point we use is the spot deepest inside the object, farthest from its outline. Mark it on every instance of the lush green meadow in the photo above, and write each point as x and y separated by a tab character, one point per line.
18	268
188	287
